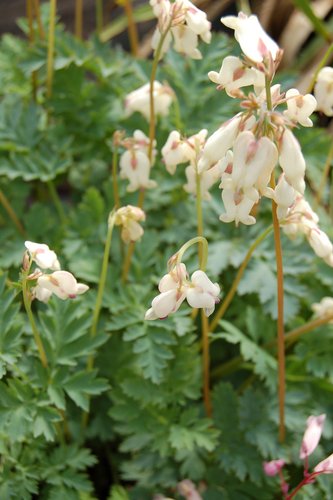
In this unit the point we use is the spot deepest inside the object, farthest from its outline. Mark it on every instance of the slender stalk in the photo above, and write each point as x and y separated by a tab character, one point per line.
230	295
204	319
307	480
12	215
152	129
101	285
116	197
322	63
31	41
99	16
324	177
280	319
36	8
132	29
79	18
50	48
295	334
38	340
57	202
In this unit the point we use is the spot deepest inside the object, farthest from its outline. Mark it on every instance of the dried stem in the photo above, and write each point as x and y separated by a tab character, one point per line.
226	302
36	8
12	215
132	29
50	48
79	18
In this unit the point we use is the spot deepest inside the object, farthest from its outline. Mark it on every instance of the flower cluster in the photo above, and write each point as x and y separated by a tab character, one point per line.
179	150
60	283
181	22
311	438
139	100
249	146
135	164
128	218
301	219
175	287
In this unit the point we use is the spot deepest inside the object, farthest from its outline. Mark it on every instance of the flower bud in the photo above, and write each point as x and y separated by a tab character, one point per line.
312	435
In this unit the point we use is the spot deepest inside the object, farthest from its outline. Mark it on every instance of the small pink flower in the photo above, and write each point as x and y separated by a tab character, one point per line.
273	467
312	435
325	466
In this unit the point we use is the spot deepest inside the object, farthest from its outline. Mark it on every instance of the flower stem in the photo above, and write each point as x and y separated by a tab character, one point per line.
177	258
116	197
50	48
78	19
31	41
27	305
324	177
226	302
322	63
132	29
307	480
280	319
36	7
99	16
57	202
102	281
12	215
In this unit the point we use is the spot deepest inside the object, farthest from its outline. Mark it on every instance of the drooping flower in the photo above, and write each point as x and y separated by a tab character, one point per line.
292	161
186	24
253	40
202	293
284	196
188	490
62	283
42	255
234	74
238	205
312	435
300	107
139	100
207	179
273	467
323	91
128	217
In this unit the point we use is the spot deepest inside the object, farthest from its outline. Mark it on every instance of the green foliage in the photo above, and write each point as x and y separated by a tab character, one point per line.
134	423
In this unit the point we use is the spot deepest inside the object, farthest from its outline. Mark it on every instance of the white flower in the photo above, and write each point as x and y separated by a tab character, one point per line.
253	40
312	435
174	152
238	205
234	74
42	255
186	41
128	217
324	308
135	167
62	284
172	287
138	100
40	293
292	161
321	245
218	143
206	179
284	196
197	21
202	293
300	107
323	91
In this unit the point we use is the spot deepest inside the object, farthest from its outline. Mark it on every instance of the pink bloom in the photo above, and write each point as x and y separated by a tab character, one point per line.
325	466
273	467
312	435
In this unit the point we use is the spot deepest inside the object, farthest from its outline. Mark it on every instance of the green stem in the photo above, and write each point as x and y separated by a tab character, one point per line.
12	215
116	197
102	281
177	258
50	48
322	63
27	305
324	178
57	202
99	16
226	302
36	7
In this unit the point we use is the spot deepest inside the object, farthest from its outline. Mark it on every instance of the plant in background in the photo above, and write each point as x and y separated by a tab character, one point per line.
96	402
